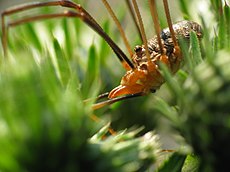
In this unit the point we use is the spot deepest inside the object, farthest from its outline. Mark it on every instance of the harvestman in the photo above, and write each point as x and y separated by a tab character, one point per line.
142	66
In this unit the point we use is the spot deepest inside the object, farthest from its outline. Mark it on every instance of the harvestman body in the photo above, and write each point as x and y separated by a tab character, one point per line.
142	68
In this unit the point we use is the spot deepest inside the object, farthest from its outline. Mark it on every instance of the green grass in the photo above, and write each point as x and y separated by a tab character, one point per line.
54	65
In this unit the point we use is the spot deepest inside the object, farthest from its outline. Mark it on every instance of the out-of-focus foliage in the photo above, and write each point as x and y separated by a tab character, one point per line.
52	67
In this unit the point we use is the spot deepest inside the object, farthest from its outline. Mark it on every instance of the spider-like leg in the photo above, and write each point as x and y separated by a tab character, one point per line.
79	12
130	7
114	100
163	56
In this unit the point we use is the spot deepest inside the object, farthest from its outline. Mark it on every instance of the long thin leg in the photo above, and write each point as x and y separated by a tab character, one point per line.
121	30
134	17
156	22
117	99
80	13
97	119
101	96
141	28
166	7
157	28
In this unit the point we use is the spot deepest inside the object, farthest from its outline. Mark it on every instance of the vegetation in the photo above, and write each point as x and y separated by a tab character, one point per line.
51	68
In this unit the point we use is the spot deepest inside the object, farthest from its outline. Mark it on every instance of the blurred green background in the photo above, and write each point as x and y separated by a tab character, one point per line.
54	65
